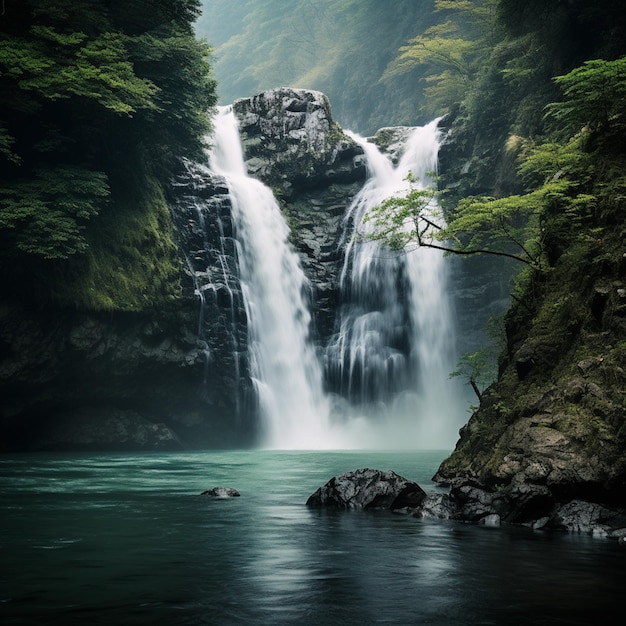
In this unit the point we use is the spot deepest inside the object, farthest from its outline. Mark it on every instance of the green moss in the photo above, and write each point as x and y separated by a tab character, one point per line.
132	262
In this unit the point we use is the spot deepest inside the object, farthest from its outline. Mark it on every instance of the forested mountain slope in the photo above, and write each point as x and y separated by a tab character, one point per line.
535	166
340	48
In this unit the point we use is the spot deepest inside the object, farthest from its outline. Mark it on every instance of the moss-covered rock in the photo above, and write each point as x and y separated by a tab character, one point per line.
132	263
555	420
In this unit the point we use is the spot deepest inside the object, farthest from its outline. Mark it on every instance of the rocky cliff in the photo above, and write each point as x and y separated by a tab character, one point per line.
178	376
291	143
547	446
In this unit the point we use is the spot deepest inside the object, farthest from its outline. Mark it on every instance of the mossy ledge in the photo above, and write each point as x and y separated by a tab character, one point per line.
552	429
132	263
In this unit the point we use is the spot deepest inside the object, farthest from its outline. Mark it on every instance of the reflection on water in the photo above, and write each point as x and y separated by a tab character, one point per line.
125	539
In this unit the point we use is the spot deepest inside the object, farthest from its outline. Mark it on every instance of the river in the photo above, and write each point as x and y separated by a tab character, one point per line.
127	539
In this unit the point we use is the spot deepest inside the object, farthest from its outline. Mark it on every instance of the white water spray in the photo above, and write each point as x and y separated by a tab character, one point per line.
283	364
389	363
395	346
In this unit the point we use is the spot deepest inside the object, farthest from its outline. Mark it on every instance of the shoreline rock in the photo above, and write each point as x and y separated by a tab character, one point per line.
530	506
368	489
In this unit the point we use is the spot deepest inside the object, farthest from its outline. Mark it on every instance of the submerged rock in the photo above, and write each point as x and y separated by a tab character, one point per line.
104	429
221	492
368	489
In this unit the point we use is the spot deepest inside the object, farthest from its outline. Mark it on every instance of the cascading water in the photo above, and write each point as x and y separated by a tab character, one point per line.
394	347
283	363
387	367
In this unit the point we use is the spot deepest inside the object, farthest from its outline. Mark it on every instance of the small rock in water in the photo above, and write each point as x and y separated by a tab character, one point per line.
221	492
368	489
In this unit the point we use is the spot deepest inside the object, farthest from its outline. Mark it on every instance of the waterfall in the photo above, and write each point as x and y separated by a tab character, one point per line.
283	364
395	344
383	380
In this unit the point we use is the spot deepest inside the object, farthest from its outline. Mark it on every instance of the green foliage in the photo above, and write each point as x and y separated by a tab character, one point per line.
505	226
89	93
46	215
58	65
131	263
178	123
478	369
402	222
451	51
594	95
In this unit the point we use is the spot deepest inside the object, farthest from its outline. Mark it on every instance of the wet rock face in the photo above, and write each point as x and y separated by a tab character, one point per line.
291	142
105	429
391	140
143	369
368	489
201	210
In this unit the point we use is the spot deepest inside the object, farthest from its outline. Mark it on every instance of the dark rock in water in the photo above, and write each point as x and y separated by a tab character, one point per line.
524	504
368	489
221	492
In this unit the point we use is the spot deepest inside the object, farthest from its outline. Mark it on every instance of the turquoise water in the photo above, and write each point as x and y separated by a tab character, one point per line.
126	539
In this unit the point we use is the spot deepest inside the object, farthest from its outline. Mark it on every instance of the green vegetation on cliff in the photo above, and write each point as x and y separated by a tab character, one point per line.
97	101
534	169
536	164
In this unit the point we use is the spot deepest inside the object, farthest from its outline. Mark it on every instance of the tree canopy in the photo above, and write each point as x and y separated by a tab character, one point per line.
94	96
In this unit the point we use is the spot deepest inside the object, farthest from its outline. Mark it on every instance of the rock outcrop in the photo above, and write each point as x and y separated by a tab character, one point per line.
368	489
529	505
201	210
105	429
547	446
145	370
292	144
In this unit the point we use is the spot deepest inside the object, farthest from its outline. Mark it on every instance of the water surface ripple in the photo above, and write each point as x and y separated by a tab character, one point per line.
126	539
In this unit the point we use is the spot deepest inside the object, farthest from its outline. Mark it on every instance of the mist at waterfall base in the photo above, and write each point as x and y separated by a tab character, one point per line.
382	382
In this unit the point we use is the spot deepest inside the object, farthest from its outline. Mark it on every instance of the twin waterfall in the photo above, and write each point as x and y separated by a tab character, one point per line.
382	382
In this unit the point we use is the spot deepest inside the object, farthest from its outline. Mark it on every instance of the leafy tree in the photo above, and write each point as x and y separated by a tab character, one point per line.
98	100
452	50
561	200
595	93
480	225
46	215
477	368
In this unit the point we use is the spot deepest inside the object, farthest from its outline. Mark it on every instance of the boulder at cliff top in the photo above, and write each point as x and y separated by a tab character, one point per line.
368	489
291	142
